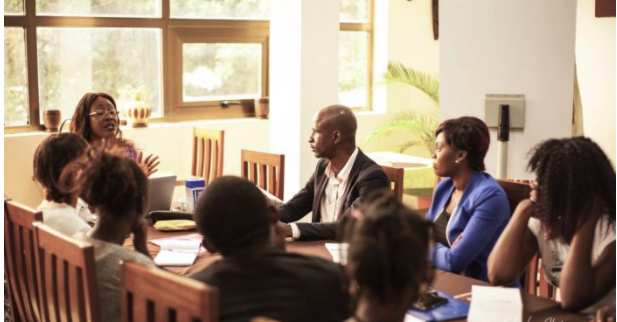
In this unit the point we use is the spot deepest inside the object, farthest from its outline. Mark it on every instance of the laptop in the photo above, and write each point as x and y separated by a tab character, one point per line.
161	191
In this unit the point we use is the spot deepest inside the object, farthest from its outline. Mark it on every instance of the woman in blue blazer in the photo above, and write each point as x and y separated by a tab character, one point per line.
469	209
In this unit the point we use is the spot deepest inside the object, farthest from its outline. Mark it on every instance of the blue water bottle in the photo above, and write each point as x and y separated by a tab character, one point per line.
194	187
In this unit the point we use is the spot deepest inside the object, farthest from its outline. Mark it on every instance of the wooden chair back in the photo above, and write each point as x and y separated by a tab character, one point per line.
67	274
20	260
533	280
516	191
396	178
266	170
151	294
208	151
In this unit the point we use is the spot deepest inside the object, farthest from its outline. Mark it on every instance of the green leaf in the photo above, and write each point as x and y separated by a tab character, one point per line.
420	126
426	83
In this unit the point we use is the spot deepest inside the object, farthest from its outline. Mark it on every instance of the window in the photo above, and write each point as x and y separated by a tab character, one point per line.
355	53
192	56
221	71
189	55
14	7
221	9
99	8
73	61
16	111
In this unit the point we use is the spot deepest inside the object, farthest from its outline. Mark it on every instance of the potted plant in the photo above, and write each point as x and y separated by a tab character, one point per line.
420	121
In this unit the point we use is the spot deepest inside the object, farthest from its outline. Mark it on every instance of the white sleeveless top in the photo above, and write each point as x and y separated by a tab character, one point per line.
554	253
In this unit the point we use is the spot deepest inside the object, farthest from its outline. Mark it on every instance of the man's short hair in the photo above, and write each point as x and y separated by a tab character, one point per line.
233	214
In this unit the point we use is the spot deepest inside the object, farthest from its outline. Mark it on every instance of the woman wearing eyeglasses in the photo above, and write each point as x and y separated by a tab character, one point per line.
96	119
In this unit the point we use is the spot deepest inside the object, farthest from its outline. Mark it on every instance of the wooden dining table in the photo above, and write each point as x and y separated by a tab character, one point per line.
535	309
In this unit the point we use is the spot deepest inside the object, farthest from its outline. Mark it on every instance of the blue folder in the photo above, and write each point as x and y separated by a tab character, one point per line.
453	309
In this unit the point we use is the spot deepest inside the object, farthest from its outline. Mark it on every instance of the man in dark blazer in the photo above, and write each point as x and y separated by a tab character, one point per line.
344	175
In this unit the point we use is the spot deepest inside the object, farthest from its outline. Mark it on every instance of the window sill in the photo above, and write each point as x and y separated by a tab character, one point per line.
156	124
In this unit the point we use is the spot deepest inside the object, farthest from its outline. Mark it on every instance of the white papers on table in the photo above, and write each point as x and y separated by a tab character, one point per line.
490	303
411	318
338	252
174	258
178	251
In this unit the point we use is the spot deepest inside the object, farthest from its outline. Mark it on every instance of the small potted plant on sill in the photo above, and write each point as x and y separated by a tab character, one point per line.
52	119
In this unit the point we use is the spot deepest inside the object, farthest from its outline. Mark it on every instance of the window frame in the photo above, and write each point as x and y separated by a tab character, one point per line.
249	31
173	32
367	27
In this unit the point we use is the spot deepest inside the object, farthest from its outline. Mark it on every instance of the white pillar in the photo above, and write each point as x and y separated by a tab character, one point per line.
303	79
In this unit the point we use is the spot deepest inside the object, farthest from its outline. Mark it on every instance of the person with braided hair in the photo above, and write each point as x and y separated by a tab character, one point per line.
469	209
569	221
59	207
117	188
387	261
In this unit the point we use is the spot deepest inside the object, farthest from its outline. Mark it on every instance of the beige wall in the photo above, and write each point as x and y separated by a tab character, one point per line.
595	59
510	47
171	142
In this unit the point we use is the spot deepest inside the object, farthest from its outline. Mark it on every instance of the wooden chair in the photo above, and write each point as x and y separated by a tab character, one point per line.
208	151
20	260
516	191
533	280
396	177
151	294
67	275
266	170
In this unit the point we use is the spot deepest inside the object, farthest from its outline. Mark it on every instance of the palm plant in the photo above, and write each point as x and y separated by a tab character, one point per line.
421	121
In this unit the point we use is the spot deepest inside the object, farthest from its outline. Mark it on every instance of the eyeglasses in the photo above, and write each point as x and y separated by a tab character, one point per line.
102	113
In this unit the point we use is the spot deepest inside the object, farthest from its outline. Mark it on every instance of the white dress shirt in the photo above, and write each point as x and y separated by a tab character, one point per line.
332	199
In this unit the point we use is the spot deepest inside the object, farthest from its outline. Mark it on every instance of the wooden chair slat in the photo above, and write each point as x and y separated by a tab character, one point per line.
261	176
161	313
183	317
272	186
62	289
74	298
396	177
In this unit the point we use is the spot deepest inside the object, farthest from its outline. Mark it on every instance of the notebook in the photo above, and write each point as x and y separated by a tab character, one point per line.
179	250
161	190
453	309
174	258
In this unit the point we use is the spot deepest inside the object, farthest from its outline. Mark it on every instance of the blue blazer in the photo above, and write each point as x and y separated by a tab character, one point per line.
481	216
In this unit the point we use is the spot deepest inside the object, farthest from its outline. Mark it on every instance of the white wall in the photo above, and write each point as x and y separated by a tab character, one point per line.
510	47
303	79
403	33
595	59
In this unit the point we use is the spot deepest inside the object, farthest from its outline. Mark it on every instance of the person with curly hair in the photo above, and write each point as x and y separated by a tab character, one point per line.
569	221
96	120
60	205
469	209
387	261
117	188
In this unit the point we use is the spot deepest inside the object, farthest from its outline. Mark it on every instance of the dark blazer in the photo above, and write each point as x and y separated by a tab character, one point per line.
289	287
365	176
